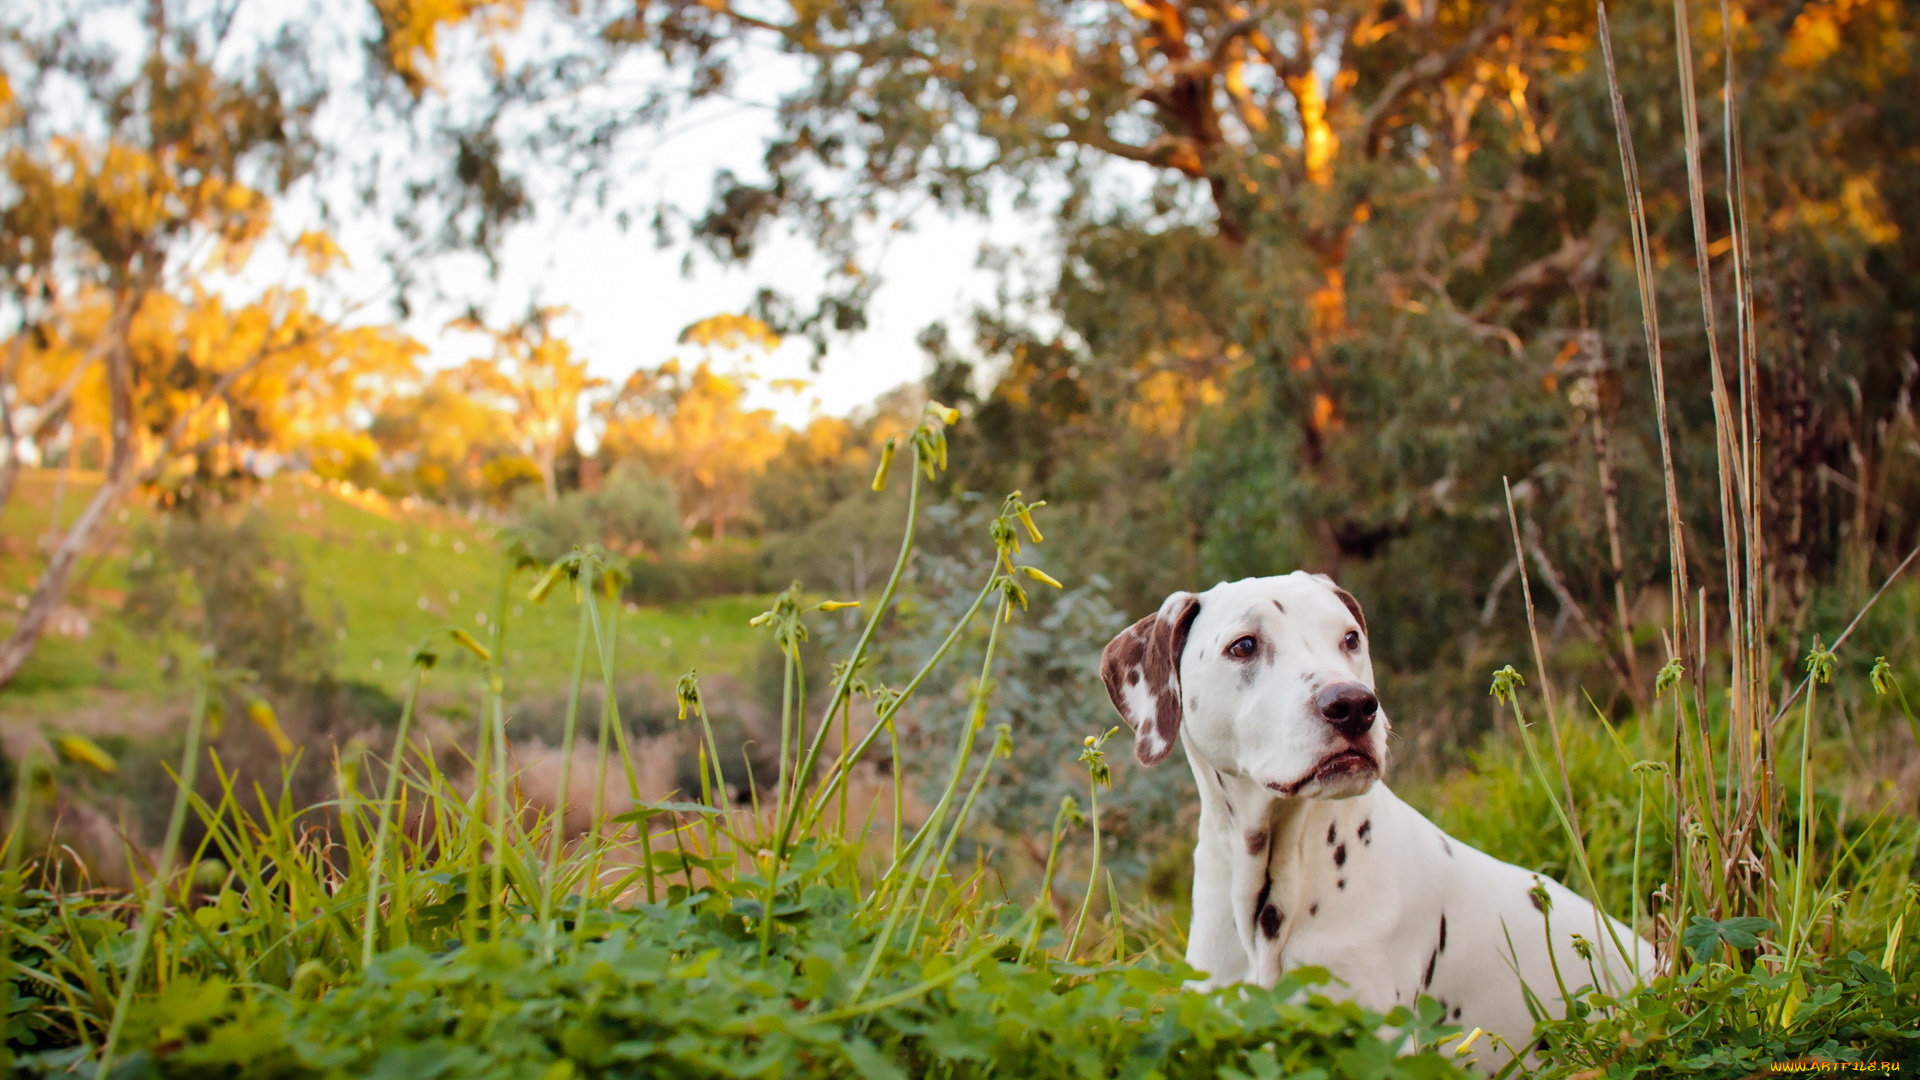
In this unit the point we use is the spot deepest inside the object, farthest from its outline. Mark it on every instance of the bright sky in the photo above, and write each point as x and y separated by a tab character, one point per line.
630	300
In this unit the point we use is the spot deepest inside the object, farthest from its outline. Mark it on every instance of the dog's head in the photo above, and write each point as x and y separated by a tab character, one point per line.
1269	678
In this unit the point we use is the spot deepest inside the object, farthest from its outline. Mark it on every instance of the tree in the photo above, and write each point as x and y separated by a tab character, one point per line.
1330	270
535	383
141	173
441	440
689	425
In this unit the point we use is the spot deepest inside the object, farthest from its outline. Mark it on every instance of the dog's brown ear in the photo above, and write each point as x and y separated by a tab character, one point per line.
1353	606
1142	671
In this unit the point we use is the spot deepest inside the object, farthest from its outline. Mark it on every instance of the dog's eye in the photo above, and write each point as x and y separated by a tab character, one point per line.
1352	641
1243	647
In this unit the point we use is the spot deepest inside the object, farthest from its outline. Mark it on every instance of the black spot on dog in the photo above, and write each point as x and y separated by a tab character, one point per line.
1256	841
1456	1012
1330	832
1427	979
1270	919
1277	606
1366	832
1534	899
1443	935
1314	908
1342	883
1396	996
1340	855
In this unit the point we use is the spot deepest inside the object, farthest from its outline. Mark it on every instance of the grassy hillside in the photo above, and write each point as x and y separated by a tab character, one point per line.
379	575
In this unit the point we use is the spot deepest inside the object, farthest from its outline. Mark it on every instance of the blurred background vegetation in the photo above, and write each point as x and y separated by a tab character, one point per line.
1315	277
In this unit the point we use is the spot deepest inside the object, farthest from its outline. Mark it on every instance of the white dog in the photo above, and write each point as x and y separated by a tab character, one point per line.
1304	857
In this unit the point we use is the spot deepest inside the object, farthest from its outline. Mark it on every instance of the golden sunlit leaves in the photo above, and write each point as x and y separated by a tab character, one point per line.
288	381
534	384
691	427
1164	401
319	251
410	33
1814	37
1865	212
731	332
1859	208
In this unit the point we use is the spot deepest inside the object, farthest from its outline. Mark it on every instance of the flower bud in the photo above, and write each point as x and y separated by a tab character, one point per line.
264	718
84	751
886	463
472	645
538	594
1026	518
1041	576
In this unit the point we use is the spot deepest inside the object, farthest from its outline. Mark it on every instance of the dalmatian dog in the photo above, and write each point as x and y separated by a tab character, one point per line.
1304	857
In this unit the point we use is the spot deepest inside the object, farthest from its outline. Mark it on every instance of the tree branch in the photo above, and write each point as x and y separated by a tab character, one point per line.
1437	65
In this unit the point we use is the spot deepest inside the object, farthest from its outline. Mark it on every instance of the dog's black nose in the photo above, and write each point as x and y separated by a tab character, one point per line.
1349	707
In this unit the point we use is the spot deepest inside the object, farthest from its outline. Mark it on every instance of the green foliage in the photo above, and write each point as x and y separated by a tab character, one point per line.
1740	932
1717	1021
681	988
1048	689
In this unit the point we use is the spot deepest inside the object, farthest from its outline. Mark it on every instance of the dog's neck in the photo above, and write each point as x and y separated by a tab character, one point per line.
1290	852
1289	821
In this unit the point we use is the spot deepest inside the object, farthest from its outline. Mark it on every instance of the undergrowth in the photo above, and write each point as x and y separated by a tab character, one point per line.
413	925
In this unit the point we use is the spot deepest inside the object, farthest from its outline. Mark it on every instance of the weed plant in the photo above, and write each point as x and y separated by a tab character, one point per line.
1780	917
410	926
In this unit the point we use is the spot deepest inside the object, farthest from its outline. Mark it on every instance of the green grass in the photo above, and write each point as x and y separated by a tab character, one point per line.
379	576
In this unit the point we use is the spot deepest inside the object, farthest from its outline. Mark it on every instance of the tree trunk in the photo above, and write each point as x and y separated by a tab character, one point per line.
9	438
549	466
52	586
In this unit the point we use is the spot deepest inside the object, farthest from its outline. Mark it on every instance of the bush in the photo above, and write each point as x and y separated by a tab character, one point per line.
220	581
633	512
730	569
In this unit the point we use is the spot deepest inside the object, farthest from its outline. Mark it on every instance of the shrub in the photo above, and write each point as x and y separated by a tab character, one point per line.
220	581
728	569
632	512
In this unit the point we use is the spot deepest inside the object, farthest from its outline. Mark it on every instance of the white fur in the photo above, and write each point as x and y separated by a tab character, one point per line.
1251	731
